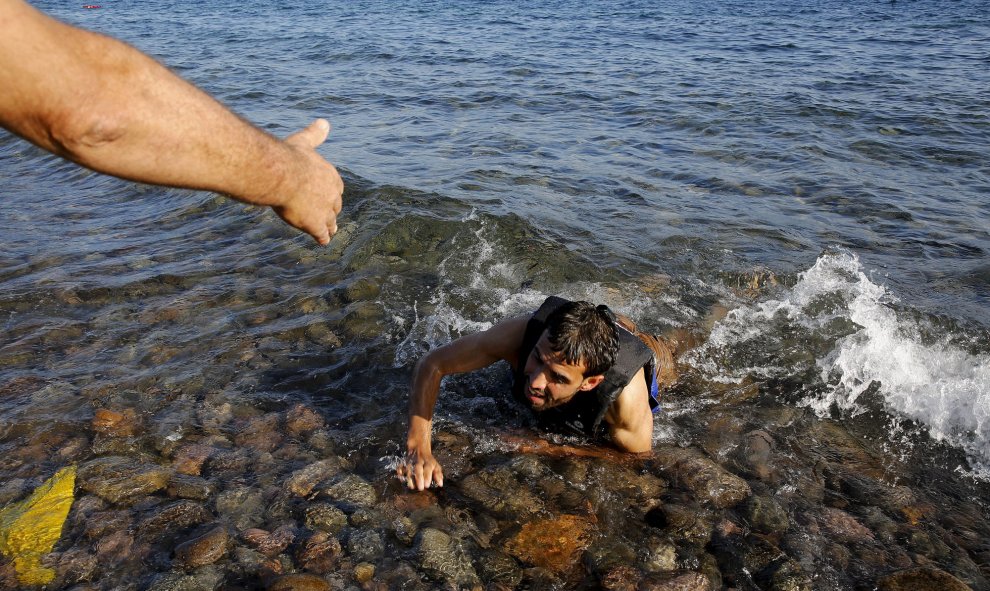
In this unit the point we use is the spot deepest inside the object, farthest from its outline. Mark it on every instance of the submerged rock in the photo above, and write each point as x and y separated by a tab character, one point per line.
498	491
787	576
318	553
679	582
621	578
122	480
709	482
73	566
925	577
301	419
202	579
755	453
661	556
118	547
644	489
608	553
845	453
443	559
353	490
302	482
189	487
554	544
405	501
365	546
326	517
260	434
404	529
842	526
691	523
270	543
242	506
254	565
116	424
97	524
364	572
299	582
228	464
765	515
173	518
204	549
189	459
500	569
323	336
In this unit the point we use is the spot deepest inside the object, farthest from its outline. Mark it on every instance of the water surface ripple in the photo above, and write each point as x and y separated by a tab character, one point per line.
819	169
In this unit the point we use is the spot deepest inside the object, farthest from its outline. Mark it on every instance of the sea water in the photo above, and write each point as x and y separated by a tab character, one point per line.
819	170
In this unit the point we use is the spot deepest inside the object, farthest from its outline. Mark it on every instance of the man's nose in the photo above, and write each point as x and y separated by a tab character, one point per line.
538	381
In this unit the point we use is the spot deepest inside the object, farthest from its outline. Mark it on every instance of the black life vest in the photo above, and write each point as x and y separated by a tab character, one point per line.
584	413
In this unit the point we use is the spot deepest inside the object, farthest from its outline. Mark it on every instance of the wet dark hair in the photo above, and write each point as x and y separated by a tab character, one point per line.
583	333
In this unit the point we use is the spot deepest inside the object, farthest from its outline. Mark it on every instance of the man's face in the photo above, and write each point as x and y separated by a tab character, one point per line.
549	381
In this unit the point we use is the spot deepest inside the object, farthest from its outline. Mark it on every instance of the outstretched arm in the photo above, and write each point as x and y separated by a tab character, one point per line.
475	351
104	105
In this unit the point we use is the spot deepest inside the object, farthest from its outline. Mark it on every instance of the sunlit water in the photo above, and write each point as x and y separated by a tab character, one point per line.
819	169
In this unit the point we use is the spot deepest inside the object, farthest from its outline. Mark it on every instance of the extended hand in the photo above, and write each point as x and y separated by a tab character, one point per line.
312	193
420	470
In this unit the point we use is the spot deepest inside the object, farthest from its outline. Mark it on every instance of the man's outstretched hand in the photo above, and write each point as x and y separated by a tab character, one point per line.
313	188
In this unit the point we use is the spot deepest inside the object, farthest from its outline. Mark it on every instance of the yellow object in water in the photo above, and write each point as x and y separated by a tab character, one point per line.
30	528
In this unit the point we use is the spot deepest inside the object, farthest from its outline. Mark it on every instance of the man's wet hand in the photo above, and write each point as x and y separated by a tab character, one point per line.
311	195
420	470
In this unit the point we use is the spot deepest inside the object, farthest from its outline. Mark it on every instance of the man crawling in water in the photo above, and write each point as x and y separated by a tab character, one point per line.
580	368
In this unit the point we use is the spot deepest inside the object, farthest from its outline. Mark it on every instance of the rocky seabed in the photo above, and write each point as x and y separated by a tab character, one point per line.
276	500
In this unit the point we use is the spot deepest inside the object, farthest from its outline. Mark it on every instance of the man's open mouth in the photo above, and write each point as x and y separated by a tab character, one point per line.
535	398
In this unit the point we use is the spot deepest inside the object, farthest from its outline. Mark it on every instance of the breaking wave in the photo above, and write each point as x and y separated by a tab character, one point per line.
849	330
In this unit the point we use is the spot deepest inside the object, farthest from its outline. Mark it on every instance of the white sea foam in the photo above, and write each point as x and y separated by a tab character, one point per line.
860	341
937	384
480	272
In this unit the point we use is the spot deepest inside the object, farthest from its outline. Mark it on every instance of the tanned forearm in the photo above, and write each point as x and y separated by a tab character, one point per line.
100	103
468	353
421	469
422	400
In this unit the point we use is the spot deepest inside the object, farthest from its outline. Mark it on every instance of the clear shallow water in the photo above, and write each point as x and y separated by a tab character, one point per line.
652	156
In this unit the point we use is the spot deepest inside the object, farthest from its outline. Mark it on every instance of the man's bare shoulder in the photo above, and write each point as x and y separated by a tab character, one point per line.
632	406
629	418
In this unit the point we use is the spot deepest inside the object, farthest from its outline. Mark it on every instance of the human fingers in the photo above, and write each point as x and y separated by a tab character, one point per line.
407	470
438	475
312	135
323	236
419	476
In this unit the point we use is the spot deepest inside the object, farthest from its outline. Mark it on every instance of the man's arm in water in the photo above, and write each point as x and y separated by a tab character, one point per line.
629	419
104	105
501	342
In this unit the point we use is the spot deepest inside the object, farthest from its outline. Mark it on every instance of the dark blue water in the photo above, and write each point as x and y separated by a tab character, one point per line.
775	130
820	167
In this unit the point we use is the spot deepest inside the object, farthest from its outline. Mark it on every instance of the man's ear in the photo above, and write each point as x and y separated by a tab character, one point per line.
591	382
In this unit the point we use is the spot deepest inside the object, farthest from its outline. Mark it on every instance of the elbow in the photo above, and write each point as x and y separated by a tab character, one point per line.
80	135
428	368
633	442
642	448
635	445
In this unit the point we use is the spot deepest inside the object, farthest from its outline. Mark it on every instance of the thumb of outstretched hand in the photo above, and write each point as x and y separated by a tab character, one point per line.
313	135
